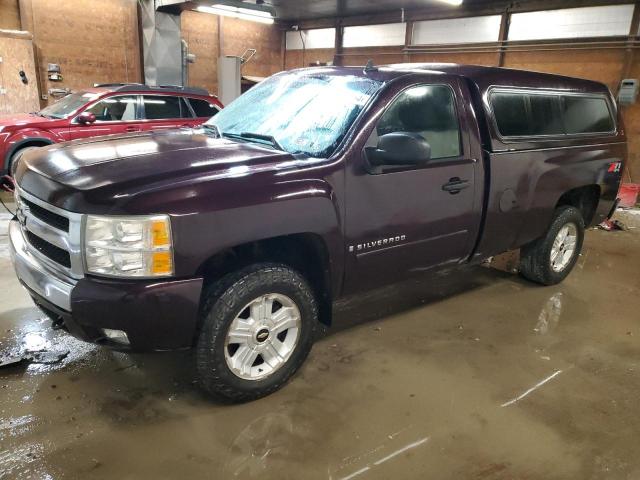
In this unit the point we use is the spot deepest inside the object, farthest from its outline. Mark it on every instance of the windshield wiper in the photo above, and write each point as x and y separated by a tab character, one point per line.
267	138
255	136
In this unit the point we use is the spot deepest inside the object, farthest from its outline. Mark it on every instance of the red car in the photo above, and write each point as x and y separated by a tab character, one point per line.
103	110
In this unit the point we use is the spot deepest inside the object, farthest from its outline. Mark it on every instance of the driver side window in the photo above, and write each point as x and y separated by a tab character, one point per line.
115	109
428	110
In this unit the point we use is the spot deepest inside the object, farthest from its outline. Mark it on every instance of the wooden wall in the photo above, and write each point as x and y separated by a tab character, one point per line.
632	123
293	58
93	41
16	50
238	35
202	31
9	15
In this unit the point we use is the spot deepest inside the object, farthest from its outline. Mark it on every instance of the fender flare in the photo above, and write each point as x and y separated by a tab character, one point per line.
20	144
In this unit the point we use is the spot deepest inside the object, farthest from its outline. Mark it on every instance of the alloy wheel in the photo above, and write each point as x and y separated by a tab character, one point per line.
262	337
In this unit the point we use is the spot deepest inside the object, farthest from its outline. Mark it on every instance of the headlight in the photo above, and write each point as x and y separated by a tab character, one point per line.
139	246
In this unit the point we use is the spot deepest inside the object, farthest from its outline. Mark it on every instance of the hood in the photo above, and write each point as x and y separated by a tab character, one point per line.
22	119
105	170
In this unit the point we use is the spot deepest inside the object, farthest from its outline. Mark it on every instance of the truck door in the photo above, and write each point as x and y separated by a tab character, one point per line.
402	220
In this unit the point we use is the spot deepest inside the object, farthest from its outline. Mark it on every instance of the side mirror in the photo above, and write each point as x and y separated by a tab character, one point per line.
86	118
400	148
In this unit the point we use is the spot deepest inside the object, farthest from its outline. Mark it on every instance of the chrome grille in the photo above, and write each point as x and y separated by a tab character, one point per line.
53	234
47	216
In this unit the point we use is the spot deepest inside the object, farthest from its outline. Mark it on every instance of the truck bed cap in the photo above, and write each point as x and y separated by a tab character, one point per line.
485	77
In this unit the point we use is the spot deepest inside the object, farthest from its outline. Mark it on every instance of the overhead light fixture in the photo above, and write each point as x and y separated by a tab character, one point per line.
455	3
243	11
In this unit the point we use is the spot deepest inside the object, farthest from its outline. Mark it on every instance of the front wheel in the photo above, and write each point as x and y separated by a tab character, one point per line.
258	328
549	259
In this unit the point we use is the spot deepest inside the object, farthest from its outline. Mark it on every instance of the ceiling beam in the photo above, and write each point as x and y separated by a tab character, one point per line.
495	7
503	35
434	12
338	46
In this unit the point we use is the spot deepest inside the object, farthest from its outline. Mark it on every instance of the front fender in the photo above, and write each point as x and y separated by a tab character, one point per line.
209	217
25	137
284	209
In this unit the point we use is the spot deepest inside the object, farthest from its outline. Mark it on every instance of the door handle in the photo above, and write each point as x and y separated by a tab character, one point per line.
455	184
132	129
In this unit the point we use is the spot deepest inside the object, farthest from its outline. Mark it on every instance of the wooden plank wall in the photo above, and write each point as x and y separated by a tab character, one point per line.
202	32
9	15
93	41
632	123
293	58
239	35
603	65
16	51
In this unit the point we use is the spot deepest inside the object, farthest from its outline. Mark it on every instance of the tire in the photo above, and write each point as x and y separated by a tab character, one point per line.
228	307
536	262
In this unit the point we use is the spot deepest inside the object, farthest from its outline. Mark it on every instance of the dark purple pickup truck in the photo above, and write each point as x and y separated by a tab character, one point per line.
236	237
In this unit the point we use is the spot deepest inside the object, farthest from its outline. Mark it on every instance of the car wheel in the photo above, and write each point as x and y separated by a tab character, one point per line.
258	326
549	259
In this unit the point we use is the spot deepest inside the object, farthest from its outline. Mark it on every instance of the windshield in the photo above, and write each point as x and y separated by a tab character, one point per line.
300	112
68	105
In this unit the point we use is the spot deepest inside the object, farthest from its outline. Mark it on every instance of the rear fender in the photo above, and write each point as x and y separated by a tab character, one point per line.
527	185
565	173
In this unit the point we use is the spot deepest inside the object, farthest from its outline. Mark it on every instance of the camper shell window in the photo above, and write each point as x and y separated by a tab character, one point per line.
520	114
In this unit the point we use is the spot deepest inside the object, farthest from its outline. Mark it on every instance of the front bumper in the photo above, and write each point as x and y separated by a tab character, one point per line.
155	314
39	278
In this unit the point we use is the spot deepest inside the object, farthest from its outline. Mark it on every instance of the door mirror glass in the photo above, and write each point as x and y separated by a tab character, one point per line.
400	148
86	118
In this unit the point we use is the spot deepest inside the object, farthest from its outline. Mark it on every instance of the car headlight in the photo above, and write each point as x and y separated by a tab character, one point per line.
137	246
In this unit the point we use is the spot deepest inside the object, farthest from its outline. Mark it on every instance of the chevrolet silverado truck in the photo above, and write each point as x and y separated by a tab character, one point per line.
234	238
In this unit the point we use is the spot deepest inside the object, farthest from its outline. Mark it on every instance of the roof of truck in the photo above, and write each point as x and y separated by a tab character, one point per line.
485	76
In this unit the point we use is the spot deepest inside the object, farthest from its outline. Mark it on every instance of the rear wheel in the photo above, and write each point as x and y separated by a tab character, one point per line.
551	258
258	328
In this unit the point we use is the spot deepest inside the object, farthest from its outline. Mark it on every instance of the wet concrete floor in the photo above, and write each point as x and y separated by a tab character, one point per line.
479	375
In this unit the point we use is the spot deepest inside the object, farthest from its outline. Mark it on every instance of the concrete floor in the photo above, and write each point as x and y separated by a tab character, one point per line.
481	375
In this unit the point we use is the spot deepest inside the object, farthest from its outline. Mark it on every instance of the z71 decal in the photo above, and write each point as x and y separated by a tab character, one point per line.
615	167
